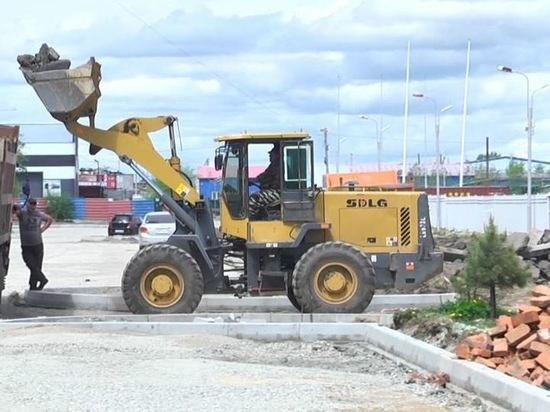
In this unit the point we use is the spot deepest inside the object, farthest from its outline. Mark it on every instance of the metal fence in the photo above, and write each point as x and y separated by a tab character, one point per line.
473	212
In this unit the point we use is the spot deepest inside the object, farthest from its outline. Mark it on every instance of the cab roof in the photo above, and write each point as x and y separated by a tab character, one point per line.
263	136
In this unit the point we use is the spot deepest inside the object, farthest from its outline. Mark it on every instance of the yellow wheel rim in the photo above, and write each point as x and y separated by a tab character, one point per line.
162	286
335	283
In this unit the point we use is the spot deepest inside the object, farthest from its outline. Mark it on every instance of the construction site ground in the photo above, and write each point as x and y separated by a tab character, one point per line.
193	369
114	371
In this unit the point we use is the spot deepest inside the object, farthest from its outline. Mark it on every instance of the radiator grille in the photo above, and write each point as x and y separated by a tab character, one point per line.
405	226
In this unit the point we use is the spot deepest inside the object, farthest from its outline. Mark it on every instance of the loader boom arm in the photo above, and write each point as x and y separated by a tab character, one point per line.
129	139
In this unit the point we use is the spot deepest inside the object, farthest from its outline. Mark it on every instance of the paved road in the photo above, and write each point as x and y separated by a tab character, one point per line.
76	255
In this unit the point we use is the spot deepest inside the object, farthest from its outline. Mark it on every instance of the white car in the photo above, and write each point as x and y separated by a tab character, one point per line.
157	227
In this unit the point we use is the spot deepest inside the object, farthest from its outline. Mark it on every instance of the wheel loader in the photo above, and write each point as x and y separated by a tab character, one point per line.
326	250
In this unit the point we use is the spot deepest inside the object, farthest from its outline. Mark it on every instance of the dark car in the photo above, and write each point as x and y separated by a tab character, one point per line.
124	224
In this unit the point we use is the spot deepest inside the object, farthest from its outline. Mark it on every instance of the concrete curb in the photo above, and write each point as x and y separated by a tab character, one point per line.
385	319
487	383
216	303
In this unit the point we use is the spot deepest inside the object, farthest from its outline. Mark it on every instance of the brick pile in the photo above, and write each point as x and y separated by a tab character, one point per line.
518	345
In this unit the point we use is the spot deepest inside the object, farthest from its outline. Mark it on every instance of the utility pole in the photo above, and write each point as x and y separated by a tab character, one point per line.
487	159
351	162
325	142
338	130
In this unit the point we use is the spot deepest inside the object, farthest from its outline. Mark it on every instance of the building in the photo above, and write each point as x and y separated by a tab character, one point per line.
50	161
102	183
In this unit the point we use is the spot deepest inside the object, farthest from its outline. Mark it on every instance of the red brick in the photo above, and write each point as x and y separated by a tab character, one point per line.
498	331
500	347
529	364
515	368
525	354
517	334
485	353
541	290
543	335
505	321
546	382
538	381
525	317
486	362
497	360
481	340
538	371
540	301
544	321
536	348
529	308
463	351
544	360
524	344
501	368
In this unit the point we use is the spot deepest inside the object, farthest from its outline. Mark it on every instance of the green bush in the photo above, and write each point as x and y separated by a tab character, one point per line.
59	207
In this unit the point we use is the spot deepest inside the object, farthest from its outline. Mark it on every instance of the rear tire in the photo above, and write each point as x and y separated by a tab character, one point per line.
292	299
162	279
334	277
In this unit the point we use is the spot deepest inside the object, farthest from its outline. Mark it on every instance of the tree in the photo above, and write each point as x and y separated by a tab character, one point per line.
515	173
483	156
515	170
490	264
539	168
59	207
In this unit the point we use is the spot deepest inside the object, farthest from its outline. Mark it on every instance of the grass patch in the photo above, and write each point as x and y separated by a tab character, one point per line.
464	310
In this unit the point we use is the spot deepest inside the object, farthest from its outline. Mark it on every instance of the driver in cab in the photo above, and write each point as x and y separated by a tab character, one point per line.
269	182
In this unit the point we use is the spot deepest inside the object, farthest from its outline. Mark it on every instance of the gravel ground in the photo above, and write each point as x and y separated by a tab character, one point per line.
51	369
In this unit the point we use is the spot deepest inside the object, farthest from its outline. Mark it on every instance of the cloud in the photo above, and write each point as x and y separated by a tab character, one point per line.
273	66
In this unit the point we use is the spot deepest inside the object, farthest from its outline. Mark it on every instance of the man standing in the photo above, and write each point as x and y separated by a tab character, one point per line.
32	223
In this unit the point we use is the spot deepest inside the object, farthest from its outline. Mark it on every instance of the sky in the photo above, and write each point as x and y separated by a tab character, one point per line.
237	65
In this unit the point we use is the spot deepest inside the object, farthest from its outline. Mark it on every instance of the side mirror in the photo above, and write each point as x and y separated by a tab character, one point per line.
218	161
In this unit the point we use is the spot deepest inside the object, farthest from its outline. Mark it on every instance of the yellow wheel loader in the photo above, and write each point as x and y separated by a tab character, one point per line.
326	250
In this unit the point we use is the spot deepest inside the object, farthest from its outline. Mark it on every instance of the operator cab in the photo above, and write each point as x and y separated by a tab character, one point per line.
267	176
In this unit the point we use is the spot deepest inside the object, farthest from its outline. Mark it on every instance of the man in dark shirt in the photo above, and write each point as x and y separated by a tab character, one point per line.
270	185
32	223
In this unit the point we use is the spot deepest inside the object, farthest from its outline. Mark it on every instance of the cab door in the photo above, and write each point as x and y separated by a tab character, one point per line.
297	191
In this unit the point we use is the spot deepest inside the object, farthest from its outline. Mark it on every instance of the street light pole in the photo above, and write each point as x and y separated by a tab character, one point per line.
528	129
378	138
437	114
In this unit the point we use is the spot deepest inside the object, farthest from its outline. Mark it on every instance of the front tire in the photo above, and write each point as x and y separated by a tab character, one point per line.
334	277
162	279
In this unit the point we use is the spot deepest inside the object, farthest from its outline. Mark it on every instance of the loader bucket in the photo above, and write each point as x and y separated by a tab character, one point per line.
68	94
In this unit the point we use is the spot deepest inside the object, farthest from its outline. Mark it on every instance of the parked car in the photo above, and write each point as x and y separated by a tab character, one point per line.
124	224
156	228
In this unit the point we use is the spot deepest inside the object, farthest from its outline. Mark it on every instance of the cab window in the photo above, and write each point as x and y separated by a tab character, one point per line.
298	171
232	180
